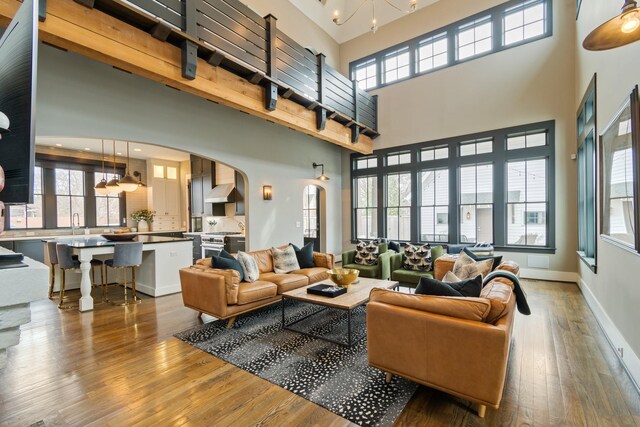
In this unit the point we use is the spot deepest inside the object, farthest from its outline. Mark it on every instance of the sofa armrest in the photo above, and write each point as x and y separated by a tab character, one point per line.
348	257
442	265
395	262
466	358
204	291
325	260
384	265
231	281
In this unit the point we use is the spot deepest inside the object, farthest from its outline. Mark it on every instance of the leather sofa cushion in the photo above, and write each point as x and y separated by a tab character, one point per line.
315	274
499	295
409	276
459	307
258	290
369	271
205	262
285	282
264	260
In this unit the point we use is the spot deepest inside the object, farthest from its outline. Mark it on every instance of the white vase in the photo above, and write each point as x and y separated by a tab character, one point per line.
143	226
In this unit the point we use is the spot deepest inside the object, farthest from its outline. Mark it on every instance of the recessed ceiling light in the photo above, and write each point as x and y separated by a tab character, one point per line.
137	149
58	145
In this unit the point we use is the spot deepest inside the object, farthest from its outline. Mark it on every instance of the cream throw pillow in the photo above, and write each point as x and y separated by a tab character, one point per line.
249	266
451	278
465	267
284	260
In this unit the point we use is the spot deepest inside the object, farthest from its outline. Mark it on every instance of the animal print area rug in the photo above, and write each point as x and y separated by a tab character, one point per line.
335	377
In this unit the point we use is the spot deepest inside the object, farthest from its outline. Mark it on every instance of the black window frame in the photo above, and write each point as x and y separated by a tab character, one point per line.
498	157
496	13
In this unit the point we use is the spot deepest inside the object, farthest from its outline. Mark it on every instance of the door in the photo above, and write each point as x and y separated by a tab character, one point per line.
172	197
311	216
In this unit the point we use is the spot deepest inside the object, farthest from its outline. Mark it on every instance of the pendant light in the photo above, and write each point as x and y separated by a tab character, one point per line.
618	31
101	187
113	185
128	183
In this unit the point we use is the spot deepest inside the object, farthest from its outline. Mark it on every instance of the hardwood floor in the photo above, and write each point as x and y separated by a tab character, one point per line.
121	366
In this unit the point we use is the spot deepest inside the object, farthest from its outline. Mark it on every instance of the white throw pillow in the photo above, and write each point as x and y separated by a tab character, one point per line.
466	268
451	278
284	260
249	266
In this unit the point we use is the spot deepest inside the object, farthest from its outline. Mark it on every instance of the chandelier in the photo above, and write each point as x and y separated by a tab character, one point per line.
374	21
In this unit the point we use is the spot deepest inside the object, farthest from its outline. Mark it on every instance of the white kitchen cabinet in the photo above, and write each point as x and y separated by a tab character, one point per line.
164	194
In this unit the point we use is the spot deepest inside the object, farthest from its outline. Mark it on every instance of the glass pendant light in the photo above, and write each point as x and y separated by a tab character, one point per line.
128	183
618	31
113	185
101	187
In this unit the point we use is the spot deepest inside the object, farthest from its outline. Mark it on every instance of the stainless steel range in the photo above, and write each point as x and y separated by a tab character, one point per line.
213	243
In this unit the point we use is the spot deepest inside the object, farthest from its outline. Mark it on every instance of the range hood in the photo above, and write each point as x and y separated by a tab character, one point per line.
222	193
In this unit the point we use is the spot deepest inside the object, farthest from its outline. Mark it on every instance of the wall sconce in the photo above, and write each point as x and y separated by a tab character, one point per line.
468	215
4	124
322	176
266	192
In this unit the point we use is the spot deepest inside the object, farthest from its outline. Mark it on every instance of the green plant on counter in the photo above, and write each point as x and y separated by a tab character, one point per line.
143	215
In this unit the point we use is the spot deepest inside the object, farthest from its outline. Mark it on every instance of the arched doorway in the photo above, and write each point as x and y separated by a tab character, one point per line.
311	216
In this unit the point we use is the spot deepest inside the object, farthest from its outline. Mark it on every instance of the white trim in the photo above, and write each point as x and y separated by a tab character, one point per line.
550	275
155	291
630	360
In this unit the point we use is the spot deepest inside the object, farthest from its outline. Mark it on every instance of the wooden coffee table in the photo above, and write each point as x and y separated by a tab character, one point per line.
357	295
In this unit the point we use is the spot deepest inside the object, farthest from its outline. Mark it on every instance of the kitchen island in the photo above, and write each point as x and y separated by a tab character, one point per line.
162	258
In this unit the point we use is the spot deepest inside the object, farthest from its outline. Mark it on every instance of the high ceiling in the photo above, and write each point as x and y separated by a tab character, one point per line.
322	14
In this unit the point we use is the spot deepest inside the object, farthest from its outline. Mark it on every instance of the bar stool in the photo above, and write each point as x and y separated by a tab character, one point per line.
53	261
127	255
65	262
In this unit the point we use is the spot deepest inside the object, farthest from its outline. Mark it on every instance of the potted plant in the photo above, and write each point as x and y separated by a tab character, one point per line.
144	218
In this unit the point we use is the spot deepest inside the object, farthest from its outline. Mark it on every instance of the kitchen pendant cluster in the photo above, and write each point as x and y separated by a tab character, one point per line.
114	186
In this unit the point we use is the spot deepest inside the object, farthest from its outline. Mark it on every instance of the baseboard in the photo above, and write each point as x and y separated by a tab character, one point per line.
157	292
628	358
550	275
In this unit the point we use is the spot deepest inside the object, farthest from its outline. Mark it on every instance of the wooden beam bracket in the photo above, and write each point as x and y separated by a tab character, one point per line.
321	118
270	96
189	59
288	93
42	10
256	78
215	58
160	31
355	133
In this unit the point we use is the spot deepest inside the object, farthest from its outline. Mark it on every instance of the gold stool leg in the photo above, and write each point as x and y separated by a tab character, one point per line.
52	279
136	300
61	305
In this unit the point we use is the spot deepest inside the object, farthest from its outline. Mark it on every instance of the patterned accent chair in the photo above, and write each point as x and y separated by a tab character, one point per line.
411	278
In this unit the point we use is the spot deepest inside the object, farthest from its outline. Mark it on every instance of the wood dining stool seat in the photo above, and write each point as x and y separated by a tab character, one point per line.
127	255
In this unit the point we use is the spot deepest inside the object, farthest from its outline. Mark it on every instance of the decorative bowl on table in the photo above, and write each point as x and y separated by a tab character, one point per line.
119	237
343	277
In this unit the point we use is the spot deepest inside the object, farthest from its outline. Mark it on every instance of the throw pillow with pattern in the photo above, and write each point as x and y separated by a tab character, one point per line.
465	267
249	266
417	258
284	260
366	253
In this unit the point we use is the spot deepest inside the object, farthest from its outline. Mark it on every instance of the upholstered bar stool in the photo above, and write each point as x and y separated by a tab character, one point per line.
127	255
53	261
66	262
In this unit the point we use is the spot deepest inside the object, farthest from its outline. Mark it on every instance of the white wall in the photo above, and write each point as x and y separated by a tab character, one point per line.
79	97
615	288
521	85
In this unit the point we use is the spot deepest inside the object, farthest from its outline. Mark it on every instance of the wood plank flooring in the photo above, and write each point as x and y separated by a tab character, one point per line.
120	366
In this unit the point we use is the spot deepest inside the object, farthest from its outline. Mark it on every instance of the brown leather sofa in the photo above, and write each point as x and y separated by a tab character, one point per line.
220	293
456	345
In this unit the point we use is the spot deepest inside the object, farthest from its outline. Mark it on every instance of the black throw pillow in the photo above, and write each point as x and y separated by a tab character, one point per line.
497	259
429	286
226	261
304	255
394	246
469	287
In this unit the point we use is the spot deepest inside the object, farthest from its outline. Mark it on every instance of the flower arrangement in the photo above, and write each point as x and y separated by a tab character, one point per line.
143	215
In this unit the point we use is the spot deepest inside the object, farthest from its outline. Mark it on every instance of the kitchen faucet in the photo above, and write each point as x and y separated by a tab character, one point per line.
73	223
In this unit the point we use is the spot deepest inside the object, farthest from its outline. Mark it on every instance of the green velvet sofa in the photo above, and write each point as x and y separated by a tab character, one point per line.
382	270
411	278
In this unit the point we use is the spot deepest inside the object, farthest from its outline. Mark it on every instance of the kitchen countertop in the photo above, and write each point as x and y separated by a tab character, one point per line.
70	236
200	233
94	242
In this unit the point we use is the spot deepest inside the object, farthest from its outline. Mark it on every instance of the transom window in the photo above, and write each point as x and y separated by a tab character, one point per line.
30	215
434	205
432	52
526	140
472	148
69	197
527	202
434	153
366	74
396	65
398	158
366	209
524	21
474	38
398	206
366	163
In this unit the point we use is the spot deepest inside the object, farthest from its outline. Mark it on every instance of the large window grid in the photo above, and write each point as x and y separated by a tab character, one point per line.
29	215
70	197
475	185
366	207
108	205
396	65
505	26
398	206
527	205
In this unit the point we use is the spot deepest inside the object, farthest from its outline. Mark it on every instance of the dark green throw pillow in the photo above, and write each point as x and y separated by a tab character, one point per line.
226	261
394	246
497	259
304	255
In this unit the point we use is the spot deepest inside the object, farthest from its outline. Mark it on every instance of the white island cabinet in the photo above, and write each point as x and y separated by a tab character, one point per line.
18	288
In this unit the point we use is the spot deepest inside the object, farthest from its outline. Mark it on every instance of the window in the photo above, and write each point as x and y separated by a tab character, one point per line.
474	38
310	212
432	53
398	158
367	162
172	172
158	171
365	74
527	202
29	215
69	197
434	205
619	145
523	21
526	140
505	26
435	153
366	207
398	206
587	178
107	206
396	65
476	203
472	148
